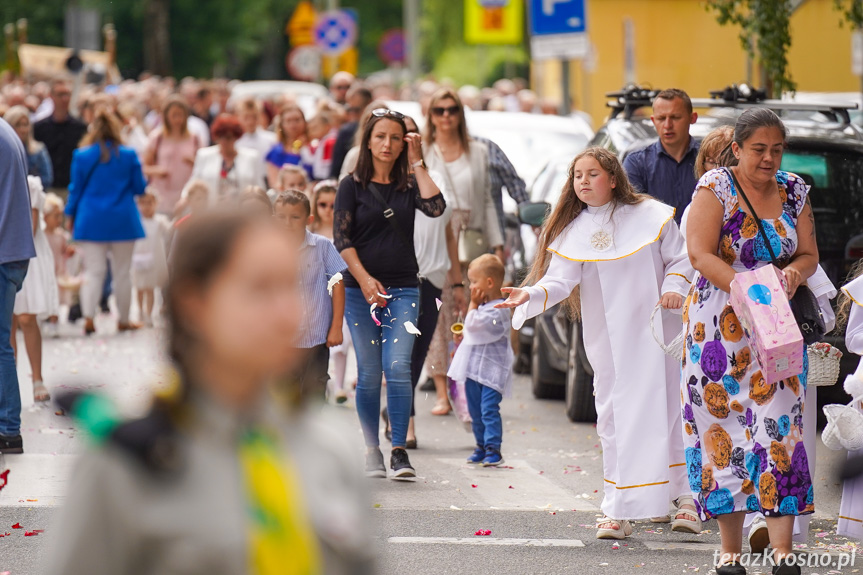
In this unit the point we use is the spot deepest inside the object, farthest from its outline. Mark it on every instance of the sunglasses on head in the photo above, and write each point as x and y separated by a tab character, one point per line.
383	112
440	111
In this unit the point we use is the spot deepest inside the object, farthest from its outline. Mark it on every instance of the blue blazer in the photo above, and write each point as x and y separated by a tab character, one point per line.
105	211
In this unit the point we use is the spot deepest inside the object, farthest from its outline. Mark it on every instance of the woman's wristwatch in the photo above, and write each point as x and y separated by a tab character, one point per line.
419	164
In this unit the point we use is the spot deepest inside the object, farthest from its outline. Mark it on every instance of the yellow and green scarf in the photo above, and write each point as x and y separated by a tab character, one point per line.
283	541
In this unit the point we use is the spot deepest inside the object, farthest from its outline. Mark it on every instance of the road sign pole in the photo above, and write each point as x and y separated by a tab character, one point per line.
411	15
566	103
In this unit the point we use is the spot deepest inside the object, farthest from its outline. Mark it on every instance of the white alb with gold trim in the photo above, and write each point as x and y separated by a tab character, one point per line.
637	387
851	507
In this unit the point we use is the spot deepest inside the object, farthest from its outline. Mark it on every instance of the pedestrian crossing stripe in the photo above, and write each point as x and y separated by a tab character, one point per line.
493	541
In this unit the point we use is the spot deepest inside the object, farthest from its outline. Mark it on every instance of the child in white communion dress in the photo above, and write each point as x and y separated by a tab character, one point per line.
626	253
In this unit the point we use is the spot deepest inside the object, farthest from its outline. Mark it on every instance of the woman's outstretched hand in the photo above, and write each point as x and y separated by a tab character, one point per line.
517	297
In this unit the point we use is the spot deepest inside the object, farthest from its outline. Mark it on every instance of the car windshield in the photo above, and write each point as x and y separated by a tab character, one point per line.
836	177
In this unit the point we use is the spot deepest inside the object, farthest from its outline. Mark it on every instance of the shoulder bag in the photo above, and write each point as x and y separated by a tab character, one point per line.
804	304
472	242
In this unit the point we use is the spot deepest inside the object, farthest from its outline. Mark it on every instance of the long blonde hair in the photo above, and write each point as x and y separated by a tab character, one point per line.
105	129
843	304
569	206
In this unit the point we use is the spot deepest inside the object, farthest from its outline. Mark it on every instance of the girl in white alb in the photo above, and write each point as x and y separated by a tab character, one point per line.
851	310
626	253
38	298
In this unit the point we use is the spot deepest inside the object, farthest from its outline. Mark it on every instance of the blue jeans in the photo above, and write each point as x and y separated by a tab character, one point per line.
11	277
384	349
484	406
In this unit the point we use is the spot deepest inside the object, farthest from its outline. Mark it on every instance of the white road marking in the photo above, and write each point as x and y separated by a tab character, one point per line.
663	545
37	480
486	541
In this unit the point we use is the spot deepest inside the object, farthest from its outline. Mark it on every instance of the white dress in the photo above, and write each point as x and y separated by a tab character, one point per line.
851	506
39	295
149	260
624	262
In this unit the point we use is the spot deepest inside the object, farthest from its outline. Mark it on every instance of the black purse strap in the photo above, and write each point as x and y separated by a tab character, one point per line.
389	214
758	221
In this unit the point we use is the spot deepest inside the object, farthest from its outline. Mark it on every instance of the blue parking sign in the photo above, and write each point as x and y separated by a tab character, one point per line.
557	17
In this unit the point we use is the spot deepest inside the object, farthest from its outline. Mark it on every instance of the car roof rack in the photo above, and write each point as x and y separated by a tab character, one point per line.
633	97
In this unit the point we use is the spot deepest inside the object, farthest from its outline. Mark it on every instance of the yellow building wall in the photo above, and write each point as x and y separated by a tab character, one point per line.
679	44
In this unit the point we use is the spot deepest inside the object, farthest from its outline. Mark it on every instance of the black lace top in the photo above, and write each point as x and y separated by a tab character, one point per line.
360	224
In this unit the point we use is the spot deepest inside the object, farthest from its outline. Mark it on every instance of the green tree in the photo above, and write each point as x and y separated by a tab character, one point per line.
852	11
764	33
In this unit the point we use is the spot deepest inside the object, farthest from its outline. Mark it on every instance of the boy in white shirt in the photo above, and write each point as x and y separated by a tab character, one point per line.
484	359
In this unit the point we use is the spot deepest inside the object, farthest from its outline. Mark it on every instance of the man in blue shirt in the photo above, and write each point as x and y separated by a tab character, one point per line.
666	168
16	249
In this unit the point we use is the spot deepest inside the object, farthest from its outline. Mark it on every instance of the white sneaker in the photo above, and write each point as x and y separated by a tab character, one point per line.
759	537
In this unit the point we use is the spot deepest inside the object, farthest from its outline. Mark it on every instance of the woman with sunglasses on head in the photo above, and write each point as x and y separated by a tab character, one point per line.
464	162
374	230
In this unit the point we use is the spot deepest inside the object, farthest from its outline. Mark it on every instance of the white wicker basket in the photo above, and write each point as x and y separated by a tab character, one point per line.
673	349
844	429
823	364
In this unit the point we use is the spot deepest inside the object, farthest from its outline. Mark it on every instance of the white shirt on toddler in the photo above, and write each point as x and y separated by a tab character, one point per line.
485	355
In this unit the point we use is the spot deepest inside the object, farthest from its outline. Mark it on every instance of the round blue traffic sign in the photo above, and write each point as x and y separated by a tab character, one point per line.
335	32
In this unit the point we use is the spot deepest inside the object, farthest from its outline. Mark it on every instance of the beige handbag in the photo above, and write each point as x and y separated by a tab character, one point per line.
472	242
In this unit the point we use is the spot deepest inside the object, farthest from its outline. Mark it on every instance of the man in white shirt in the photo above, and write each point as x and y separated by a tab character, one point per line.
254	137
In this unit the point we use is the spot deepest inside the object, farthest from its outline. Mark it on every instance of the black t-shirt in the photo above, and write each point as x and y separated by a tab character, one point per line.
61	139
360	224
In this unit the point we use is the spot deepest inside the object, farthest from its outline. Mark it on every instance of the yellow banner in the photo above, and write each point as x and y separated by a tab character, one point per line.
493	21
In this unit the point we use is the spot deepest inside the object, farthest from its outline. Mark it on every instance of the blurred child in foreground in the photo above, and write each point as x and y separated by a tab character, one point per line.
217	478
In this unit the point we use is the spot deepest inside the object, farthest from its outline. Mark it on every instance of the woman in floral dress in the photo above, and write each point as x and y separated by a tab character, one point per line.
743	437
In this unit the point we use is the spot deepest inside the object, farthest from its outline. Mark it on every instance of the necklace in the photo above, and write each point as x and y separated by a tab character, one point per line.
601	240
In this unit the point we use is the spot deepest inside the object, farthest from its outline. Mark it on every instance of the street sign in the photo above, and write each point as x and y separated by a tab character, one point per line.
493	21
335	32
558	30
557	17
301	26
347	61
391	48
304	63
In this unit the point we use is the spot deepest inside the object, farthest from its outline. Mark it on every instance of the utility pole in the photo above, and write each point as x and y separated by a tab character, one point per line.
411	16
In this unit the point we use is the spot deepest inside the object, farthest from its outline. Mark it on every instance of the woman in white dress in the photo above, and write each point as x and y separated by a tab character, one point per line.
38	296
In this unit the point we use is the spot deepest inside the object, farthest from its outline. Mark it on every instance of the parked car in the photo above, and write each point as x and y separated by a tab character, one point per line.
307	94
826	151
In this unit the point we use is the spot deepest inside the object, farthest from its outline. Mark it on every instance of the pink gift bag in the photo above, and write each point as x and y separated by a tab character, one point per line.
761	304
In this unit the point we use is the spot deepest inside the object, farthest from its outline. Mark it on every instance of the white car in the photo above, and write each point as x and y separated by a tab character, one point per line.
307	94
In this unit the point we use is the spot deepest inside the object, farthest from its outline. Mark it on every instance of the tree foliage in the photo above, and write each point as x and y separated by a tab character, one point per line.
765	34
852	11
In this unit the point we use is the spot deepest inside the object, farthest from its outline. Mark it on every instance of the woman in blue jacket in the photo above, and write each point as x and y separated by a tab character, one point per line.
106	176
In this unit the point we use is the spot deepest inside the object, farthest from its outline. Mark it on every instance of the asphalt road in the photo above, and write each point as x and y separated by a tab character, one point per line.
540	508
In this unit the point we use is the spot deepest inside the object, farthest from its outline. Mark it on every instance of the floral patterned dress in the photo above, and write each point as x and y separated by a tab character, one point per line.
743	438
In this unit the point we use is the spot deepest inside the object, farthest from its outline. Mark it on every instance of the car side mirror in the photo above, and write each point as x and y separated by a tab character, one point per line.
533	213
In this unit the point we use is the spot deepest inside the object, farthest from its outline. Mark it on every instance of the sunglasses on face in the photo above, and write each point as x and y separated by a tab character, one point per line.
325	205
383	112
450	110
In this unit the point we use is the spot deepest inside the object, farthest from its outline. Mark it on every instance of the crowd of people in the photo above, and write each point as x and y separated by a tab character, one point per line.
387	239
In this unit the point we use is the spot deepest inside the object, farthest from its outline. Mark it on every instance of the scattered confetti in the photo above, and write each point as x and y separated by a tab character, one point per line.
30	533
473	485
411	328
377	505
483	532
511	487
438	303
454	508
333	281
17	526
374	317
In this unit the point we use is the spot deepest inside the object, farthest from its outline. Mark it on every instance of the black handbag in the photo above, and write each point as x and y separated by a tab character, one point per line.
804	304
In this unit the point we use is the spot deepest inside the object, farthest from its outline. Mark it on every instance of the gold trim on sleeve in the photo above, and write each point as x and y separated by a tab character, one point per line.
545	303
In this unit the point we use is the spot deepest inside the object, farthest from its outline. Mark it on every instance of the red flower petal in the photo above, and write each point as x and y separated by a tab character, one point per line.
473	485
17	526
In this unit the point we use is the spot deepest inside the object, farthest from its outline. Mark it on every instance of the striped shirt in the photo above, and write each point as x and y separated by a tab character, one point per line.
319	261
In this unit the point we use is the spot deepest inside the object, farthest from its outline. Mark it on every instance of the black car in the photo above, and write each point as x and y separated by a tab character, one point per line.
824	148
